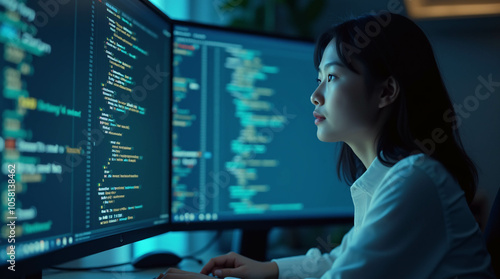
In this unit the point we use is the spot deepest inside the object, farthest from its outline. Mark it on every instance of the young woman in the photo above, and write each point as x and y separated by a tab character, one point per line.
380	92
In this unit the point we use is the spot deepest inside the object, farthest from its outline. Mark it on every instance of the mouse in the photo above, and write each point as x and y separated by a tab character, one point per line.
156	259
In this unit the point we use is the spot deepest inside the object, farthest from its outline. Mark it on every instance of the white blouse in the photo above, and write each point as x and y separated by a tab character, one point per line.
411	220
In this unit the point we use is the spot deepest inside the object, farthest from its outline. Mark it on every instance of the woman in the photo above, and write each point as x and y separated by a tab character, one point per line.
380	92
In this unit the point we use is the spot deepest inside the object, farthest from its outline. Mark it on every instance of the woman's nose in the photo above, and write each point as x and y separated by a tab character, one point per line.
317	96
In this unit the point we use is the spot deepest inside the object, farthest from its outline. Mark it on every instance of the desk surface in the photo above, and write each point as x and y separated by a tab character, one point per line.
118	272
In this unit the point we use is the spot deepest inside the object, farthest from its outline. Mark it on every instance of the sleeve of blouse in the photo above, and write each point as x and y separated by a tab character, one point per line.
313	264
404	232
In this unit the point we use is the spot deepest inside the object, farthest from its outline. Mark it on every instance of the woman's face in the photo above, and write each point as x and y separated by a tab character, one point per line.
345	110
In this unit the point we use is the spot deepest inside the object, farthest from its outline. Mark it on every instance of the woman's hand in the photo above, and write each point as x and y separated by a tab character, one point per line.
235	265
174	273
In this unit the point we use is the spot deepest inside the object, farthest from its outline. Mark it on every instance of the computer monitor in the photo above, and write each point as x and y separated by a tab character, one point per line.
245	150
85	139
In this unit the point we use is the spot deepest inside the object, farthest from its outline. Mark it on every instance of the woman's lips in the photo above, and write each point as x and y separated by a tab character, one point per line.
319	118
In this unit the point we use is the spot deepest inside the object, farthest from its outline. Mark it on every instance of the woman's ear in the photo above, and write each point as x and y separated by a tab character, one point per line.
389	92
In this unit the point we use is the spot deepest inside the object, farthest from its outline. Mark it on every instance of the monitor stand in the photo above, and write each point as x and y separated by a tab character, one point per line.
253	244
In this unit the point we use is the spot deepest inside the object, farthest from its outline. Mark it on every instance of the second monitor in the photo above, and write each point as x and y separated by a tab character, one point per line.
244	140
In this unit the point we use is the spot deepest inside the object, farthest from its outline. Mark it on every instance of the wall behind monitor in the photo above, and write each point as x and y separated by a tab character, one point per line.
194	10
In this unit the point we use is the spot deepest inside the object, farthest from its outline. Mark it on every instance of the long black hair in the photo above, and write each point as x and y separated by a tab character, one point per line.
422	118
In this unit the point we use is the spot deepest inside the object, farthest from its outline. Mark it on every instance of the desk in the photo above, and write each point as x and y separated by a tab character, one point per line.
116	273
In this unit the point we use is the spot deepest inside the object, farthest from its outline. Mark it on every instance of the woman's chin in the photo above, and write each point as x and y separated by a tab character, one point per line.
327	138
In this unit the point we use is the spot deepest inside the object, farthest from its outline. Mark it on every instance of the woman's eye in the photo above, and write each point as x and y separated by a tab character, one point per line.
319	81
330	77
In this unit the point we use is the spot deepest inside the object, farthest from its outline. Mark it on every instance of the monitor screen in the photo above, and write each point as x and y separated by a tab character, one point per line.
244	145
85	113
